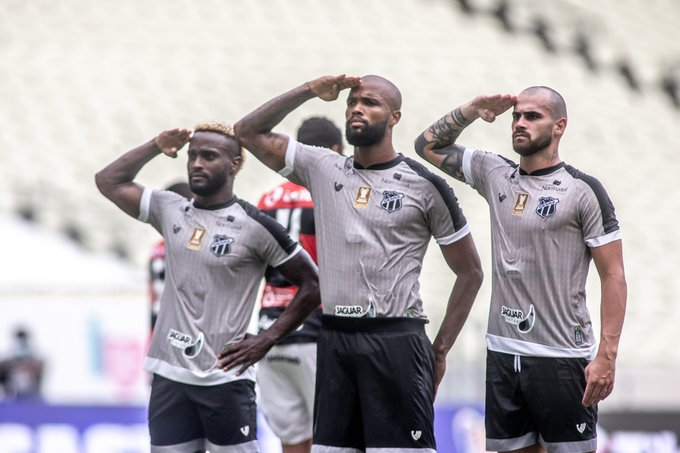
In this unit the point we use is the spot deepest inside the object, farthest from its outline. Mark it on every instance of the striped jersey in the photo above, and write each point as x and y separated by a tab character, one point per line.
373	226
542	227
291	205
215	260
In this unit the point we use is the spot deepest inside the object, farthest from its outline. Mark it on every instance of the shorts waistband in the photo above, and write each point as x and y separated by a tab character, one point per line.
388	324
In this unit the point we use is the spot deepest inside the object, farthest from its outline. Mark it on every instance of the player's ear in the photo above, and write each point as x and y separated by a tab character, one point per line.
395	117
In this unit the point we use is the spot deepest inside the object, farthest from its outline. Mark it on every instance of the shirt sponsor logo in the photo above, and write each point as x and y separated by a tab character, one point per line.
391	201
352	311
185	342
547	206
516	316
398	182
221	244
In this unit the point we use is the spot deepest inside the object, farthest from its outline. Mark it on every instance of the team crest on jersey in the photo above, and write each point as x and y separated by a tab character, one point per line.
547	206
221	244
391	201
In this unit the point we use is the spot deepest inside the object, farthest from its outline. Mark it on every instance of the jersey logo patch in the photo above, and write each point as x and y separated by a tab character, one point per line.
516	316
415	434
547	206
391	201
520	204
221	244
363	195
196	238
184	341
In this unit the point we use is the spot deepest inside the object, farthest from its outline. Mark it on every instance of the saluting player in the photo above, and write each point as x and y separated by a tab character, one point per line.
217	249
545	373
375	212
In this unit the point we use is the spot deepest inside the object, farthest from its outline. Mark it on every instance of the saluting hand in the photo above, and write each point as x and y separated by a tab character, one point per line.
328	87
488	107
172	141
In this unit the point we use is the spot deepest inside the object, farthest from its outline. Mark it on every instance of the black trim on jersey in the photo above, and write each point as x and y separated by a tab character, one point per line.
272	226
218	206
609	222
444	190
543	171
381	165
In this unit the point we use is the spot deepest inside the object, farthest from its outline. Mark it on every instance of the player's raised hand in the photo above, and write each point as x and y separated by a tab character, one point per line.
172	140
488	107
328	87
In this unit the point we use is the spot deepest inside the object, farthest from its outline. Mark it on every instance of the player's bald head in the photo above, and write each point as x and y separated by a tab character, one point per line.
387	89
551	99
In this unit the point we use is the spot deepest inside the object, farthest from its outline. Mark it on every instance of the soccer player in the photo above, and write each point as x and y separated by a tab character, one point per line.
545	372
217	250
375	212
286	375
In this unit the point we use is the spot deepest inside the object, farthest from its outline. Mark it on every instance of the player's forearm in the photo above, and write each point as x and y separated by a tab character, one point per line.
263	119
446	130
305	301
123	170
457	311
612	314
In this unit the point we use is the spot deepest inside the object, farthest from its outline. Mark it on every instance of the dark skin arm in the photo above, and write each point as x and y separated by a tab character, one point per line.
255	129
463	259
601	372
116	180
300	271
437	144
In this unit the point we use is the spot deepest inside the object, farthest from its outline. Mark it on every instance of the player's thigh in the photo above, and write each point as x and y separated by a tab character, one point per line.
337	415
396	381
174	425
286	379
557	386
228	413
509	422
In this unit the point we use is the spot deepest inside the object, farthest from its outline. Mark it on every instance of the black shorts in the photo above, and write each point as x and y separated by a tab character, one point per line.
193	417
374	385
538	399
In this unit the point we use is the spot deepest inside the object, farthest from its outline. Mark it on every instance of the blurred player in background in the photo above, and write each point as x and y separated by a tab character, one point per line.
286	376
375	213
21	373
217	250
545	373
157	260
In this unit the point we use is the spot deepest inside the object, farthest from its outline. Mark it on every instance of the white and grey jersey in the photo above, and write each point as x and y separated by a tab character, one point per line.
215	261
373	226
543	226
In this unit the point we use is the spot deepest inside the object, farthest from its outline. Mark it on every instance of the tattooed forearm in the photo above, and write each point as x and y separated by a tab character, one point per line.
447	129
453	162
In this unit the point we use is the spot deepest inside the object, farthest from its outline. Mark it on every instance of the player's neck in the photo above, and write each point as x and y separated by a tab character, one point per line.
219	198
540	160
375	154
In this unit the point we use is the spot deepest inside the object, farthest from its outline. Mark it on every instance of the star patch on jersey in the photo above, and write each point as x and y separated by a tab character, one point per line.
221	244
391	201
363	195
196	238
547	206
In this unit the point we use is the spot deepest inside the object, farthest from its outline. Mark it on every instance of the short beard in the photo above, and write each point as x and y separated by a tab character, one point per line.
211	186
369	136
533	146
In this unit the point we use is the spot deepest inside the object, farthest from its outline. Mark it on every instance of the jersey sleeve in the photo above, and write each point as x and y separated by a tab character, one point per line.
444	214
477	164
598	218
300	159
155	203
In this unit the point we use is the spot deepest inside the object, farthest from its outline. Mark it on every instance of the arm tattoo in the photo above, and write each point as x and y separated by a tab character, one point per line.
453	162
447	129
